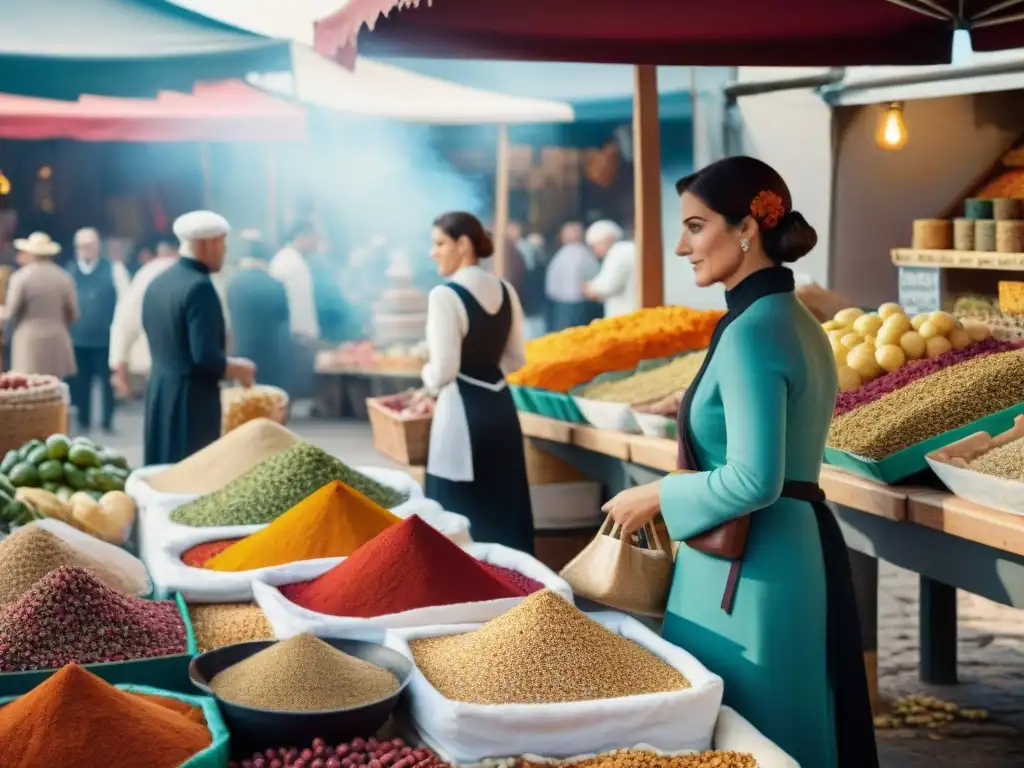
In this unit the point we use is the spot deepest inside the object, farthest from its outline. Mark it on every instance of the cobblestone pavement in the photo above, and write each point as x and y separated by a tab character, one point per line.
991	638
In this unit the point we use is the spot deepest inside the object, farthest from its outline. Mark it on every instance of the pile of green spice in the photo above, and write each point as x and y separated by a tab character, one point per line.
274	486
303	674
543	651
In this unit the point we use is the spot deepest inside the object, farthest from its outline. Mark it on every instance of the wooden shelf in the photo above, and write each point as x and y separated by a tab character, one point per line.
967	520
950	259
605	441
654	452
543	428
849	490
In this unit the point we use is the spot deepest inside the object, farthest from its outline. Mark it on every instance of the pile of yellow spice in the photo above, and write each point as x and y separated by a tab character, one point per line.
560	361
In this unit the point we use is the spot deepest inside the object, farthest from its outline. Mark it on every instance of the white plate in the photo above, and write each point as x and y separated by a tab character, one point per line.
613	416
987	490
654	425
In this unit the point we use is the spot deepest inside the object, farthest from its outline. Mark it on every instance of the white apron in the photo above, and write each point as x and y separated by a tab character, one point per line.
451	453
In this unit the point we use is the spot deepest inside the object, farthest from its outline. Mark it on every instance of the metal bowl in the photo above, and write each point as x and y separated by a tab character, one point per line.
257	729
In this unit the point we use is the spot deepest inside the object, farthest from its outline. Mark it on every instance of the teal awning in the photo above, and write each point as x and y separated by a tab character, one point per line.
60	49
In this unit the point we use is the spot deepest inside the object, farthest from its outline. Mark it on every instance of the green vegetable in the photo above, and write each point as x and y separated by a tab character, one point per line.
58	446
51	486
93	479
75	477
114	458
6	499
37	455
110	478
83	456
6	485
18	513
11	458
28	447
83	440
24	475
51	471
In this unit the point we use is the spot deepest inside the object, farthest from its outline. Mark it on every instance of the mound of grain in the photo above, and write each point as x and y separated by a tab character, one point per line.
544	650
646	386
30	553
1006	461
944	401
222	461
218	624
303	674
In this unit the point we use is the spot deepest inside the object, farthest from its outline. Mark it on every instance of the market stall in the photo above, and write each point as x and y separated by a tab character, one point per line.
365	593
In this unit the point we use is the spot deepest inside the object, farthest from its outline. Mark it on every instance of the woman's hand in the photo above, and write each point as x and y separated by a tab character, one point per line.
634	508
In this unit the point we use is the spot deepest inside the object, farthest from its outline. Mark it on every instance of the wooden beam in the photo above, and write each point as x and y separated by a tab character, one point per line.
501	188
650	266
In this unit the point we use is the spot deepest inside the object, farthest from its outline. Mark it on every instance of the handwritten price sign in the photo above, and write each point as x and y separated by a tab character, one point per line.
1011	296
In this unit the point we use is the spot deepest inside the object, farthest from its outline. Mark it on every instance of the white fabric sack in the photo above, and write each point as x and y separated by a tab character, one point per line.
288	619
202	585
674	721
114	558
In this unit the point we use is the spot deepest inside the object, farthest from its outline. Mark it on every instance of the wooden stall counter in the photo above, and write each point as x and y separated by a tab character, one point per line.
964	519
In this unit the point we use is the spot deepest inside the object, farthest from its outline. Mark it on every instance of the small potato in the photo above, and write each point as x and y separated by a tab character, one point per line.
849	379
918	320
851	340
959	338
929	330
848	315
944	321
867	324
889	309
913	344
890	357
937	345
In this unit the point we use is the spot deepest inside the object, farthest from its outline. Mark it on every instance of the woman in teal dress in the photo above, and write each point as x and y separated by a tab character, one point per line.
785	638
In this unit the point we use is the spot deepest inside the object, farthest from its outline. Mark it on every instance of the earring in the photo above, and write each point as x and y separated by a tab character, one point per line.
744	245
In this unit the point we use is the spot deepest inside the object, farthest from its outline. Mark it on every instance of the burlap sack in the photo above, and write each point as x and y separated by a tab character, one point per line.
612	571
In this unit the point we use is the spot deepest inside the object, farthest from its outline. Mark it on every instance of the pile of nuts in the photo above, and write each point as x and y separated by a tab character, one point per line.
641	758
240	404
919	711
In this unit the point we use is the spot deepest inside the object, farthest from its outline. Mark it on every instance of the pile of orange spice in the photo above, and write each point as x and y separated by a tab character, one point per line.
563	360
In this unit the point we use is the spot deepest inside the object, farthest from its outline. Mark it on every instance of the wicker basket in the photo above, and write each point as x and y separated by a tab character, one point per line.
35	416
407	441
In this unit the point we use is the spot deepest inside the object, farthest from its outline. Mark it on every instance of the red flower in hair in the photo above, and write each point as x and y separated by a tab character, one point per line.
767	208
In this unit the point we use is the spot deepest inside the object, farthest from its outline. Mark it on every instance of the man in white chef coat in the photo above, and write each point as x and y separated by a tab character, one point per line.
615	284
291	266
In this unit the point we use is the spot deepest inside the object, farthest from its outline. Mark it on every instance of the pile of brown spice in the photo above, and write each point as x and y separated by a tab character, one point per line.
544	650
640	758
1006	461
218	624
30	553
944	401
222	461
303	674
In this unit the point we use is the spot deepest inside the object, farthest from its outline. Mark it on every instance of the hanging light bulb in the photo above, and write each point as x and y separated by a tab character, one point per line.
892	130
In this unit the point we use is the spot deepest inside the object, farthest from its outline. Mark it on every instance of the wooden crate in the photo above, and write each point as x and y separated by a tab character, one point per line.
407	441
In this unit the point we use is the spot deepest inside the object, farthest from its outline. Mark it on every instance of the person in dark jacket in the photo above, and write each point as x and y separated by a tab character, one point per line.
258	309
184	323
99	284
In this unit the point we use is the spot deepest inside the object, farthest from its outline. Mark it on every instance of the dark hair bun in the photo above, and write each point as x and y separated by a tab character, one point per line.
483	246
789	240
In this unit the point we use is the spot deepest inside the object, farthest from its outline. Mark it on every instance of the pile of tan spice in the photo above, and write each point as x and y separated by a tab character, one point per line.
218	624
944	401
1006	461
642	758
222	461
920	711
545	650
303	674
31	552
647	386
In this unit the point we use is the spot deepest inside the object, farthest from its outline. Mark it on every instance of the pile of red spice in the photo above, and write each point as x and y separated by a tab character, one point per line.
410	565
76	720
70	617
522	584
197	556
874	390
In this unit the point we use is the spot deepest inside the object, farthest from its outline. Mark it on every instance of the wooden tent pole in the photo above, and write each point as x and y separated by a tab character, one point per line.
647	187
501	192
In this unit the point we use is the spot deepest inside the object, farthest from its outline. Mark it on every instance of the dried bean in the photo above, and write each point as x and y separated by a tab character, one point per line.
638	758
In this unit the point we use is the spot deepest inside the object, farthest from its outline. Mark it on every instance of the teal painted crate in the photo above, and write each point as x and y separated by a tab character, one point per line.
555	405
214	756
165	672
521	398
910	461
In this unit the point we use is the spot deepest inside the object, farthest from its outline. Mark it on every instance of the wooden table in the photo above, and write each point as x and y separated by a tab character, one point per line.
950	543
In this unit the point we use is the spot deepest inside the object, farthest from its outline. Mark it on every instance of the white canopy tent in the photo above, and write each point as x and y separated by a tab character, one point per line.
373	89
378	90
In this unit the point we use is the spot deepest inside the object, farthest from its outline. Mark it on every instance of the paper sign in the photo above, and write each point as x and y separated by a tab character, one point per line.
1011	296
920	289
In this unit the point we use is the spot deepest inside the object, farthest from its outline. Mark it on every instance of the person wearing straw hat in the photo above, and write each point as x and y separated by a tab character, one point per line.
41	307
184	323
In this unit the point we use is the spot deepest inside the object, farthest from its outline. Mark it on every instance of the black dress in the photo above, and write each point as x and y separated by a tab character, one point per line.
258	305
497	500
184	323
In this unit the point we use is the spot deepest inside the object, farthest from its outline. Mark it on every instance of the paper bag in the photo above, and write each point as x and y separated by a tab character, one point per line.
612	571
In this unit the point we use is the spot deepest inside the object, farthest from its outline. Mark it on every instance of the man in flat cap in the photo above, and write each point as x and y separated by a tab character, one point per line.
184	323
